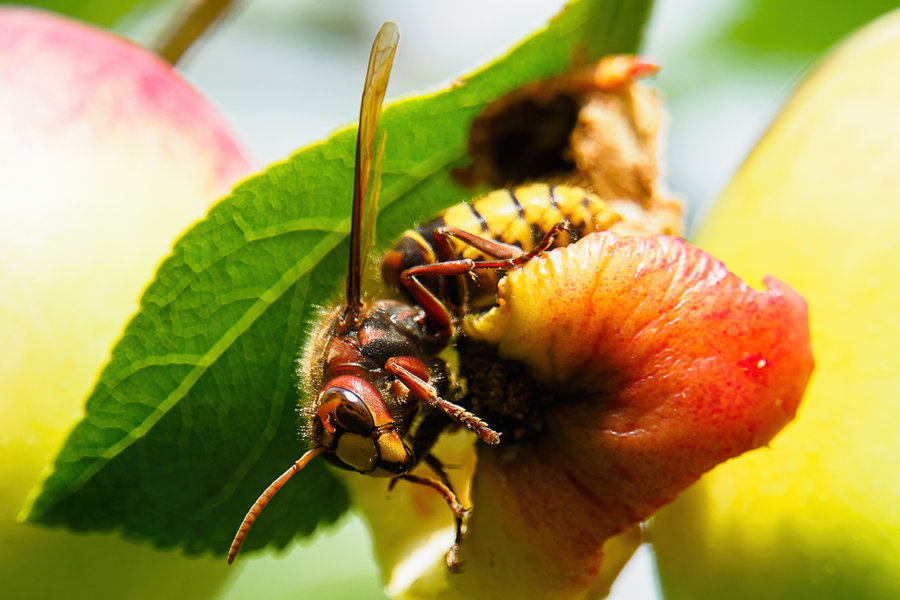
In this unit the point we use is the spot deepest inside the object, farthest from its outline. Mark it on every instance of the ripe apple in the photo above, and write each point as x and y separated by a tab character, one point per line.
105	156
816	515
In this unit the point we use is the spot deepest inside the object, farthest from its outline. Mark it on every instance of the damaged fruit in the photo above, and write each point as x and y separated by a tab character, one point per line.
647	363
654	364
617	370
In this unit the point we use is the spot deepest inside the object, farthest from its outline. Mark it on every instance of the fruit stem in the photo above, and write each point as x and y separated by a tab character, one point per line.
187	25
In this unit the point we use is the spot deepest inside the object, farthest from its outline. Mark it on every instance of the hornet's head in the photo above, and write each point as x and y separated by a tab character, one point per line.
359	430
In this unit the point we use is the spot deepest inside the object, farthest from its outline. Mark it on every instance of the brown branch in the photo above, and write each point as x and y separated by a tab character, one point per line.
187	25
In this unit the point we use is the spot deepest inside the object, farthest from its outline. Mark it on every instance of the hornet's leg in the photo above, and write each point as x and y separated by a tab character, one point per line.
426	392
488	246
459	513
508	257
438	467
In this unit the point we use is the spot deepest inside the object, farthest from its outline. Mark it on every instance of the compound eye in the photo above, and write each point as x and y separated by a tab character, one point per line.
342	409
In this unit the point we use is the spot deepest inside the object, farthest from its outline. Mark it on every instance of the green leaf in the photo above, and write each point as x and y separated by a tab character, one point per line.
100	12
195	413
801	26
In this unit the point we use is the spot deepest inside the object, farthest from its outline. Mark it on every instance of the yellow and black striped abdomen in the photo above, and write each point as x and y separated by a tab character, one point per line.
520	216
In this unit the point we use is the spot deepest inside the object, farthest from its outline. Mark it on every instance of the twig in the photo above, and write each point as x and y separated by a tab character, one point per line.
188	24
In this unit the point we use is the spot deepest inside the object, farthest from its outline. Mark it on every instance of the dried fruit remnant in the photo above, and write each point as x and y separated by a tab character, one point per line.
596	128
614	147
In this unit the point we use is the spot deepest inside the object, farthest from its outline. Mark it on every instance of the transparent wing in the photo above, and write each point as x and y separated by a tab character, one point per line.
366	186
371	205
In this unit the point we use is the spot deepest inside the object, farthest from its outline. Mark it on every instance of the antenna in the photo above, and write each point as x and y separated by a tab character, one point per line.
264	498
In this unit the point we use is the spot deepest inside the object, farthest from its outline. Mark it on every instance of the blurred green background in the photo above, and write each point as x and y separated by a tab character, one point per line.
288	72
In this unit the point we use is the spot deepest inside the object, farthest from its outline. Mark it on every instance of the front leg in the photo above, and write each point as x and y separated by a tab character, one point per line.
413	374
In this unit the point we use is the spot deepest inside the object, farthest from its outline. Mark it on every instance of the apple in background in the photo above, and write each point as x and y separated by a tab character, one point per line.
817	515
106	155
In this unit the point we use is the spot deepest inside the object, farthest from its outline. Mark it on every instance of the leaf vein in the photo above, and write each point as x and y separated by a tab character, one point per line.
208	358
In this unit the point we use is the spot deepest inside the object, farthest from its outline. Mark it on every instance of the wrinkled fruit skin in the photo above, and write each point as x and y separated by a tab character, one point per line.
816	516
659	364
105	156
654	364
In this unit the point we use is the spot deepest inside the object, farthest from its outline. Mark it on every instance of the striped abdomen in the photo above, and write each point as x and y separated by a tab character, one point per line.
520	216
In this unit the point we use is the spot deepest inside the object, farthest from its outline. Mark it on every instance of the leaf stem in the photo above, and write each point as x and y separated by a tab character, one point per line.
187	25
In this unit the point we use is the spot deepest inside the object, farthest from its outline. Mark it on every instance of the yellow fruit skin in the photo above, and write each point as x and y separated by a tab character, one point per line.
817	204
105	156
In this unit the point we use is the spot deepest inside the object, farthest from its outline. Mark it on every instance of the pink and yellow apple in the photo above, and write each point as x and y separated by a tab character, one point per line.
106	154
